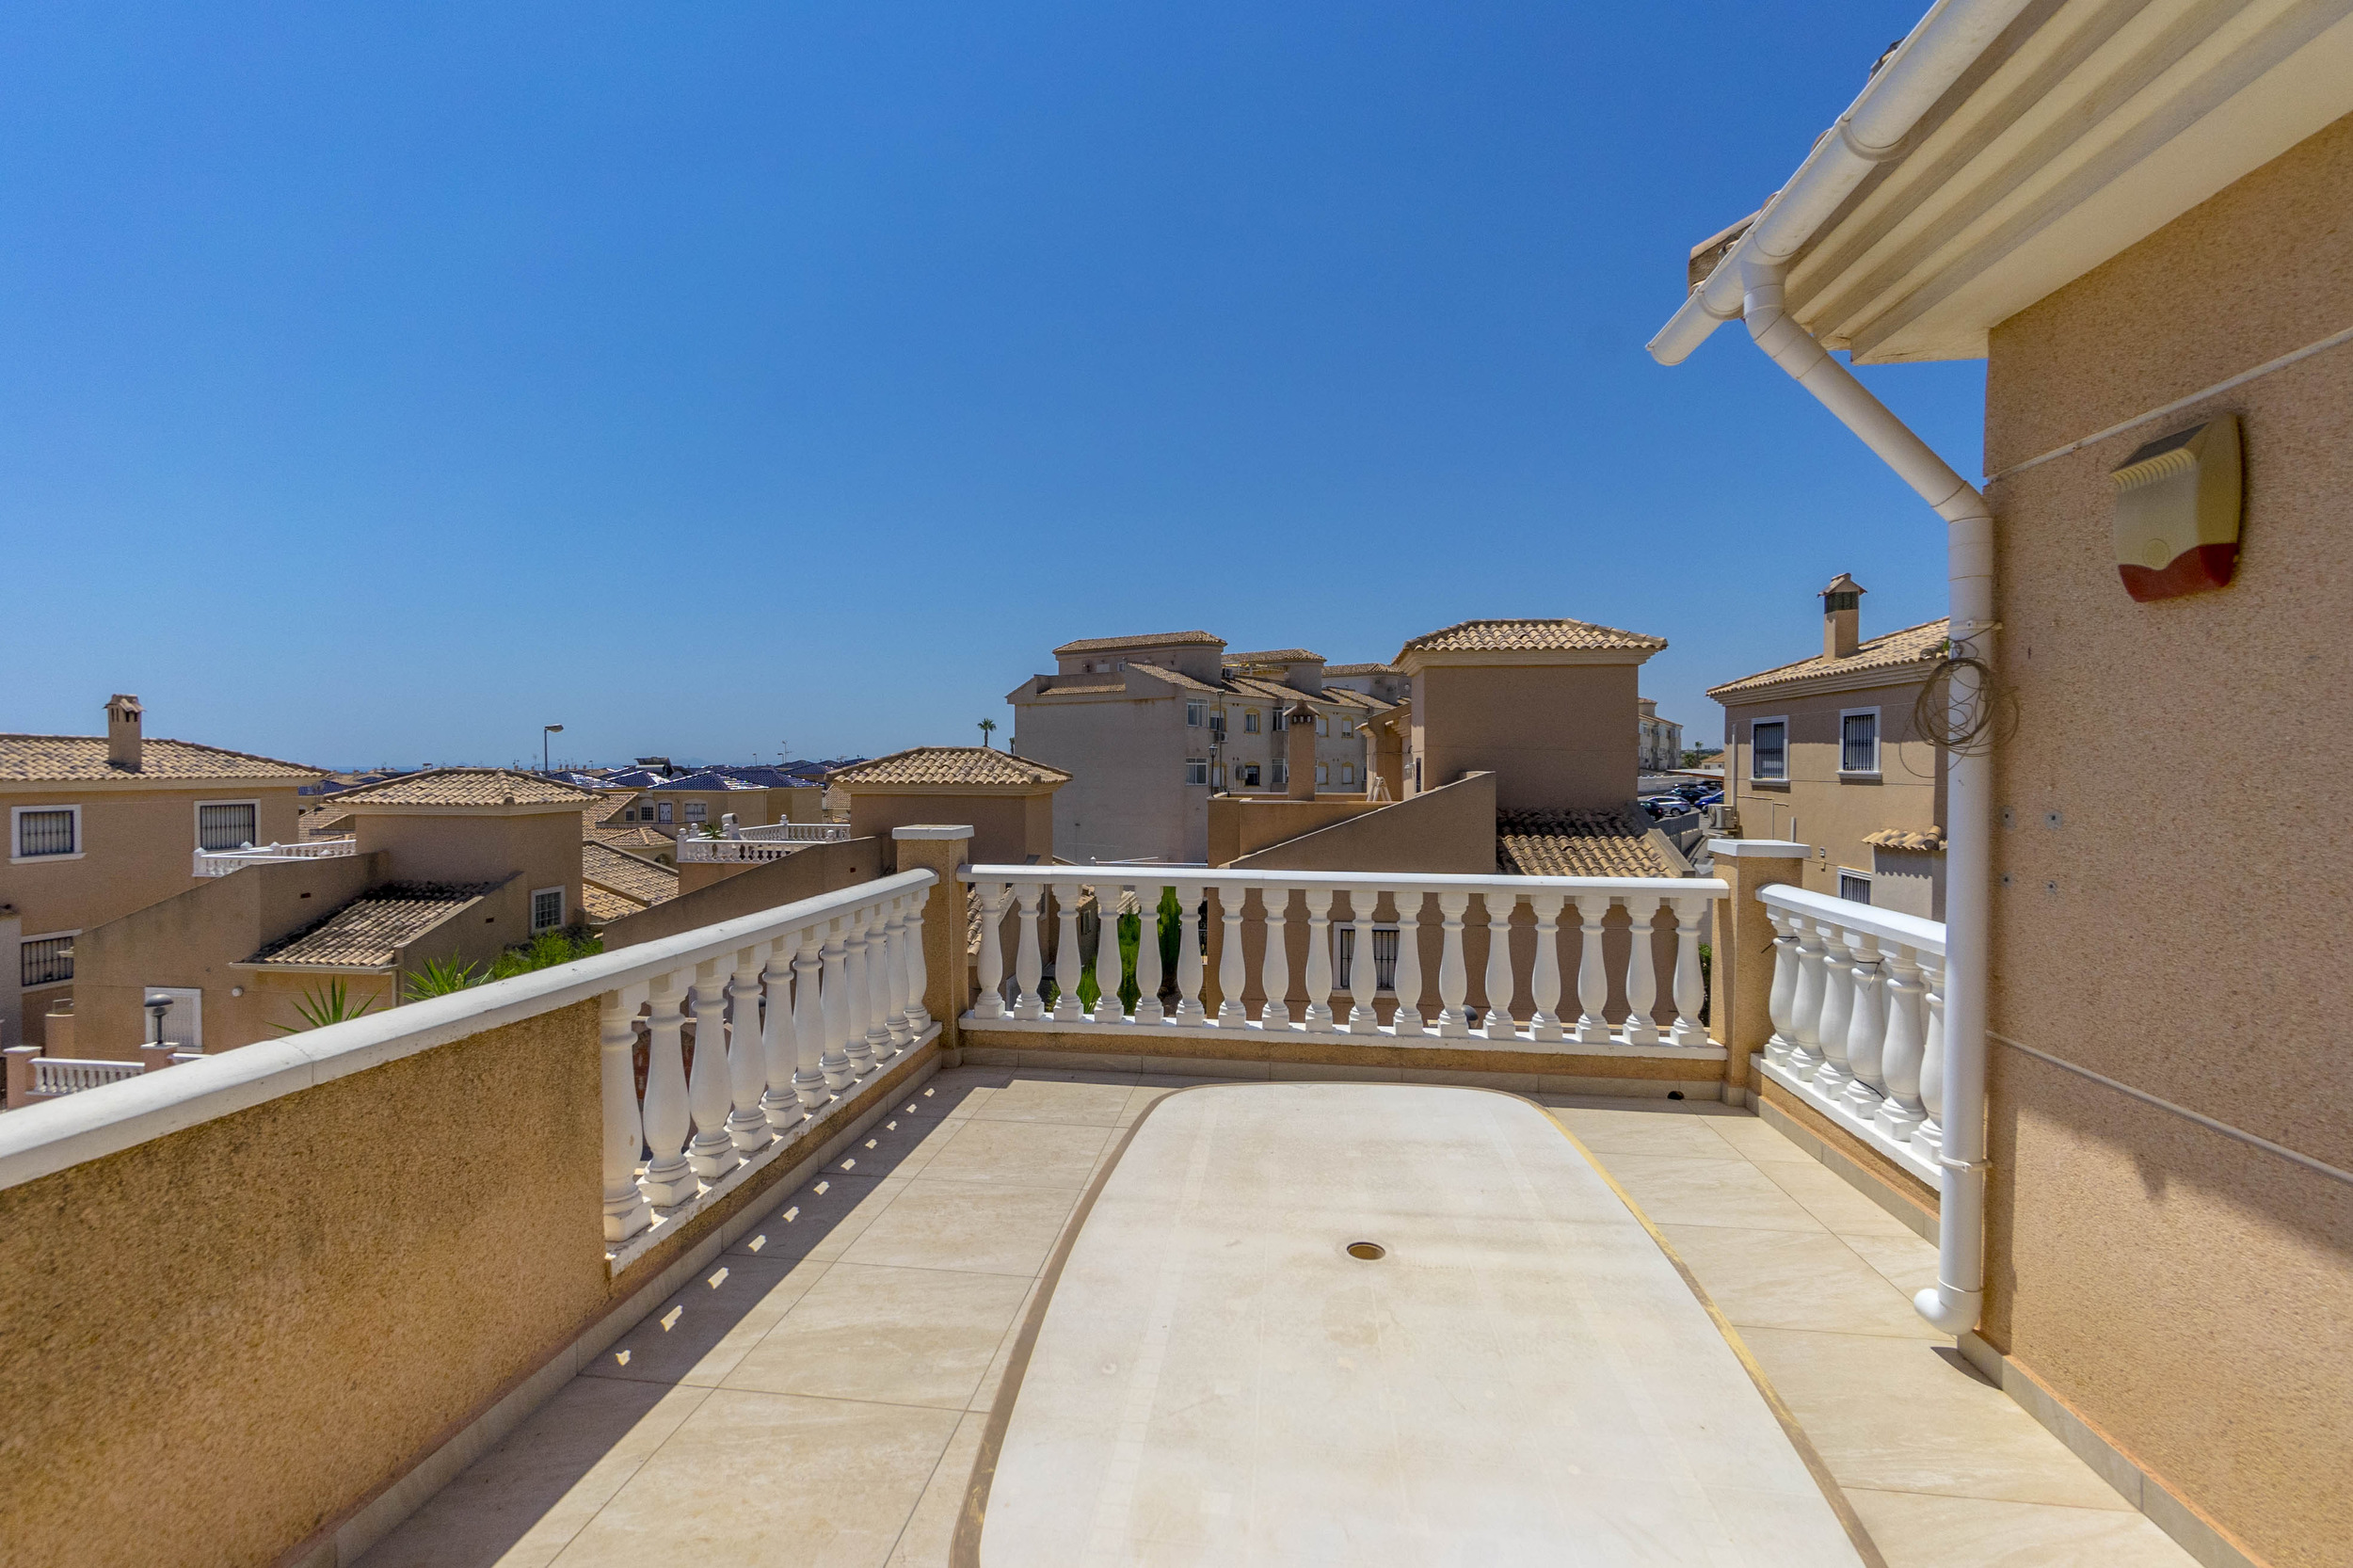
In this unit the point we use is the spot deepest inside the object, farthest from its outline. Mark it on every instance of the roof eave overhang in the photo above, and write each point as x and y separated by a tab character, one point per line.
1878	677
1414	661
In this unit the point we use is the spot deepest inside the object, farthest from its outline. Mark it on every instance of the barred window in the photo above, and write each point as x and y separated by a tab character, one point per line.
46	960
547	909
1859	743
663	811
226	826
1383	957
697	811
46	832
1768	749
1855	887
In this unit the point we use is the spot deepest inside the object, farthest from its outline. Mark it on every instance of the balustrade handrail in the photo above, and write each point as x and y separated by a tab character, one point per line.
57	1134
1890	925
1430	882
220	862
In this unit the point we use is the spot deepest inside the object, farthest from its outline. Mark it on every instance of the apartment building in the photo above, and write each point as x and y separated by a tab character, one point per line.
100	826
1661	743
1829	751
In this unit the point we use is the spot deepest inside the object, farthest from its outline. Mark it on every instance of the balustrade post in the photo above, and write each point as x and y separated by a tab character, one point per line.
814	1078
1318	957
711	1151
1188	942
1866	1032
835	994
781	1101
918	978
1691	989
1641	971
1276	903
857	993
626	1211
1364	970
1453	973
1544	986
890	989
1783	1001
1805	1057
1930	1138
1148	1008
1899	1114
1500	982
669	1179
1066	957
747	1063
1593	977
1831	1077
1028	968
1108	971
871	1042
990	1004
1233	973
1408	1020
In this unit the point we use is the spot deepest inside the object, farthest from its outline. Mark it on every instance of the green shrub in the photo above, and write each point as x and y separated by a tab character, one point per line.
440	977
546	951
331	1004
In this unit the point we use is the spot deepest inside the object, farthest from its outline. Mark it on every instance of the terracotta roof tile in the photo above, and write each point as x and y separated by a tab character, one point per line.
75	758
1898	837
601	905
1274	656
619	871
984	765
1920	644
1360	669
371	928
1151	639
637	839
1575	843
1530	636
469	787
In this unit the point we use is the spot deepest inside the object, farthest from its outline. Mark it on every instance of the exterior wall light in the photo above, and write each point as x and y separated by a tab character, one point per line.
2177	512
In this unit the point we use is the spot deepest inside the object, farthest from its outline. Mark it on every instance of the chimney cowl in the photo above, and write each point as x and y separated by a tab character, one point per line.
1842	617
125	717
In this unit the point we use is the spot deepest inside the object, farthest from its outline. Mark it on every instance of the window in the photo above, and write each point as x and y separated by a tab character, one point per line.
1348	728
1348	773
1383	957
1217	722
697	811
49	830
1196	770
1769	748
1246	774
1323	724
227	824
547	909
1859	740
1250	721
661	811
1323	772
1854	887
1196	714
1282	774
46	960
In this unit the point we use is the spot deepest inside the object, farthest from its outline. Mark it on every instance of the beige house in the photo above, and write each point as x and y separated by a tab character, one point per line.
1007	801
1661	743
1829	751
100	826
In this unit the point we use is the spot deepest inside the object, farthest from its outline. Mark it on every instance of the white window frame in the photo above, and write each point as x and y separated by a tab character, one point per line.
1323	724
1877	740
533	912
1348	773
1348	729
697	811
1196	770
1196	714
1783	776
23	942
1847	874
661	810
16	836
196	819
1250	721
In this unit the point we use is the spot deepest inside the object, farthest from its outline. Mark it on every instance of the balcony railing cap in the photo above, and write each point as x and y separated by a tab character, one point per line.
1428	882
932	830
1889	925
1766	849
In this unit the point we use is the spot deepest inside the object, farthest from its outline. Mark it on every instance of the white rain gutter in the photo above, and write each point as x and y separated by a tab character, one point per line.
1749	283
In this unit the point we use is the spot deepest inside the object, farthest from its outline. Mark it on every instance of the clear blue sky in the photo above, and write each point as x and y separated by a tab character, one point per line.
379	383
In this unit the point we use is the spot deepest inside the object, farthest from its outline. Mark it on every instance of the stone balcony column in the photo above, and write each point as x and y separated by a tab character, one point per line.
941	849
1741	982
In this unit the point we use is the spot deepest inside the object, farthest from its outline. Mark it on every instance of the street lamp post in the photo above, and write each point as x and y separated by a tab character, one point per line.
546	731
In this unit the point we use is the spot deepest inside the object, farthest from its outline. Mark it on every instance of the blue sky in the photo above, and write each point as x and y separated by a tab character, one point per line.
381	383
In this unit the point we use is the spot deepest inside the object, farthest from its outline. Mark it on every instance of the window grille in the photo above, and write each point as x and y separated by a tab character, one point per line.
45	961
1859	743
226	826
45	832
1383	957
661	811
1854	889
547	909
697	811
1768	749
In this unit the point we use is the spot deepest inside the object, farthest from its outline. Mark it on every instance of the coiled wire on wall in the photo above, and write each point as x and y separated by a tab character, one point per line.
1992	714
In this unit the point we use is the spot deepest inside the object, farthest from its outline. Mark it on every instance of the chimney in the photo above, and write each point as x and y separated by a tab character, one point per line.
1298	751
123	733
1841	616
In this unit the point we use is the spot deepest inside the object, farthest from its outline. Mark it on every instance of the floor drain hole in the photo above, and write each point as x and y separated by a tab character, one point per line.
1366	1250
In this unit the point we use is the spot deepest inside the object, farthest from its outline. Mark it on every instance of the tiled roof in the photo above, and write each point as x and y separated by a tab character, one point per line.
1360	669
601	905
1174	677
630	874
1152	639
1530	636
1575	843
1274	656
950	765
74	759
636	839
469	787
324	822
372	928
1898	837
1915	644
708	778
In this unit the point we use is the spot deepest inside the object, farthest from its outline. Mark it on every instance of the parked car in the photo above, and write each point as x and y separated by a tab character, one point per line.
1666	806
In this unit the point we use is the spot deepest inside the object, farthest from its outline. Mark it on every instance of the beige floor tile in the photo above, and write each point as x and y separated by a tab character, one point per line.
1794	1279
933	1527
900	1144
1914	1529
701	1331
1635	1132
918	1336
1675	1190
821	1220
968	1226
517	1505
1019	1154
950	1094
1041	1100
1901	1415
1904	1261
985	1393
1826	1195
1759	1140
781	1481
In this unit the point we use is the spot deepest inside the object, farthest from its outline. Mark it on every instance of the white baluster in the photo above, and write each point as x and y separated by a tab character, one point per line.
1108	971
1929	1138
1276	903
1499	981
857	996
814	1080
1805	1057
1691	990
1899	1114
711	1151
917	979
1233	973
1453	973
1783	1004
1318	957
669	1179
990	1004
626	1211
1831	1077
876	992
1408	1020
1028	968
836	1064
894	988
1642	974
1068	963
781	1103
1364	972
1148	1008
1593	977
1188	1008
1866	1032
747	1060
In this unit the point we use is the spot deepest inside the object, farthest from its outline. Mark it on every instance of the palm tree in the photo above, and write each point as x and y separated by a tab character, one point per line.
988	726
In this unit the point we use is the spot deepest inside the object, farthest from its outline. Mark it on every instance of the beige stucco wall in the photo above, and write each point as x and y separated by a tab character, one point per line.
1557	736
541	849
1448	829
804	873
2182	1290
1127	798
1007	829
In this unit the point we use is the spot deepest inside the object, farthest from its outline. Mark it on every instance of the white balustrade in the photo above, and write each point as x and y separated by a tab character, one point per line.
220	862
1657	919
748	1056
711	1152
1858	1019
71	1075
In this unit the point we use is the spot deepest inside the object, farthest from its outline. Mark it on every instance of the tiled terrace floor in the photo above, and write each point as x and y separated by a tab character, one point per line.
818	1396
